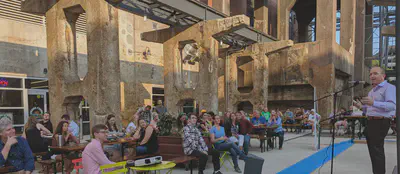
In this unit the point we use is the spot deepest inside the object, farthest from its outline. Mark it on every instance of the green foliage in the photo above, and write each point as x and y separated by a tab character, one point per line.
166	124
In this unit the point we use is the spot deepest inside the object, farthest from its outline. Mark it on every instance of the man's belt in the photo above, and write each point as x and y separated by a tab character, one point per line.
378	118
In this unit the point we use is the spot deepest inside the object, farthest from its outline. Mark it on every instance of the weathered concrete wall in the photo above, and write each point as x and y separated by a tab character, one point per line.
23	48
139	73
307	63
100	87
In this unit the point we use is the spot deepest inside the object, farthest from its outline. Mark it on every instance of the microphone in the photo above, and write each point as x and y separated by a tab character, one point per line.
356	82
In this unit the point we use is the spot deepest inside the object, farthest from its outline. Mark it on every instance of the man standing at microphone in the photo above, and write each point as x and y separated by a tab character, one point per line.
380	103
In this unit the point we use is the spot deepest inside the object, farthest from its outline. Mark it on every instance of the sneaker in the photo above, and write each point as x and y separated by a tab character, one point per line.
217	172
237	169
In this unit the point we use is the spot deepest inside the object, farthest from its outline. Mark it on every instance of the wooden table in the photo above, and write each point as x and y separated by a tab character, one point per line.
353	126
123	142
6	169
66	149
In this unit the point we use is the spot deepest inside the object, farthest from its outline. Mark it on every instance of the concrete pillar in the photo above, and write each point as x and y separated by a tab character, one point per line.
359	44
284	7
261	15
101	86
326	20
103	56
347	24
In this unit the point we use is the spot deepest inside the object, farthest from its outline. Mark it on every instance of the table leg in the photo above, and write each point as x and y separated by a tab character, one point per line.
353	127
191	166
359	133
122	151
62	163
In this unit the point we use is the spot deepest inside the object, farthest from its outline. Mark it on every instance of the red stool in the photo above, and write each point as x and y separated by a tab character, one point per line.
77	164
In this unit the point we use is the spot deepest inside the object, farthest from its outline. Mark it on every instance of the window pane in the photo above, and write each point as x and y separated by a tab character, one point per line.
17	115
158	91
85	114
86	129
19	130
10	98
36	84
10	82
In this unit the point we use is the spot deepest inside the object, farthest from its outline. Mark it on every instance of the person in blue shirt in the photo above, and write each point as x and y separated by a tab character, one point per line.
15	151
257	120
275	120
220	141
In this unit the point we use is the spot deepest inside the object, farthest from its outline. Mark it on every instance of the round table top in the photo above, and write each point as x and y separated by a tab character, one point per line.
163	165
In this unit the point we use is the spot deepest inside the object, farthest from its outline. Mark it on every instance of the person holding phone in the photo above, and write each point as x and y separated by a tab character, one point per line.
379	104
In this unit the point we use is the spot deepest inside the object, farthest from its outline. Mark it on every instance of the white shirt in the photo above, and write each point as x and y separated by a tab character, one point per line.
314	117
73	128
131	127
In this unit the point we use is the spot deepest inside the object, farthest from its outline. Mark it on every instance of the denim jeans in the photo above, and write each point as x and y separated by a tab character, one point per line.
246	144
141	150
233	150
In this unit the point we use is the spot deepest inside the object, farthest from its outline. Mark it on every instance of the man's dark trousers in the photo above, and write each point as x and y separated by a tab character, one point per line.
376	133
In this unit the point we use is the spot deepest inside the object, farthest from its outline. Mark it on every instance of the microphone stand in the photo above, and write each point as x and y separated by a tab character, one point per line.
334	116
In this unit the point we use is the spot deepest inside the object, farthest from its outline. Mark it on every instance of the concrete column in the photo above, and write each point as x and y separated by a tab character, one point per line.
326	20
359	44
284	7
103	78
208	74
261	15
347	24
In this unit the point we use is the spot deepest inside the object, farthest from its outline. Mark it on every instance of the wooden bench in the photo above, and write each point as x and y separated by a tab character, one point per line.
296	126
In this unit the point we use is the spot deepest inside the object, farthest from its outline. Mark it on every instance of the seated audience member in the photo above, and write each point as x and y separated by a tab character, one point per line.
145	114
234	135
194	145
341	121
208	121
289	117
313	117
244	128
68	139
130	129
147	137
113	150
265	113
257	120
34	133
227	124
15	151
93	156
275	120
112	124
46	122
73	127
220	141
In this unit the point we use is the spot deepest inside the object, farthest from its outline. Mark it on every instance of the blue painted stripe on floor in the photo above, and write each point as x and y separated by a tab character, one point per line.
316	160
